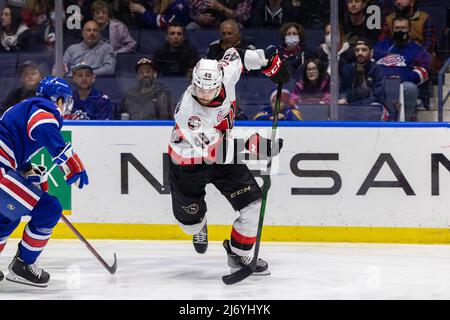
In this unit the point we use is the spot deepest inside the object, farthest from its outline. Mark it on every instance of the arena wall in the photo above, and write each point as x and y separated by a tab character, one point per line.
348	182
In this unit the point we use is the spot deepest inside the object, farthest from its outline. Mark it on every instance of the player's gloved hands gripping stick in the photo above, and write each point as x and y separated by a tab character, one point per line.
71	165
276	70
261	146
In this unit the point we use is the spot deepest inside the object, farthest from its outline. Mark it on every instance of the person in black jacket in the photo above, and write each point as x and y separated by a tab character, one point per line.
362	82
230	37
177	56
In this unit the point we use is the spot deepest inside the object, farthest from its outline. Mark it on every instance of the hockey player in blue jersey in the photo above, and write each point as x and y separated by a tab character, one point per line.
26	128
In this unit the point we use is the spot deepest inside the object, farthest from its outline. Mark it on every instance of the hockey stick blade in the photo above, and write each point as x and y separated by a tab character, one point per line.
112	269
238	276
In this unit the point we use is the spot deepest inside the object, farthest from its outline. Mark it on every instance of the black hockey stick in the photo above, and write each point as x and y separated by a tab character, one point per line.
111	269
251	267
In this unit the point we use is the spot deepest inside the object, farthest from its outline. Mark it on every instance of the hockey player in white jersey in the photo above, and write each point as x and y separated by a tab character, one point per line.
203	115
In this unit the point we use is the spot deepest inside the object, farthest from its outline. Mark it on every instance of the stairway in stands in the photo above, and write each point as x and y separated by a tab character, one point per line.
432	114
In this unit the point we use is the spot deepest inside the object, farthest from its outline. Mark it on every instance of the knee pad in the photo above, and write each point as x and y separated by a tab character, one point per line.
47	212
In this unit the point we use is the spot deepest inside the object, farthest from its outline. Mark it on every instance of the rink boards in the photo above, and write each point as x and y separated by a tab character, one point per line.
346	182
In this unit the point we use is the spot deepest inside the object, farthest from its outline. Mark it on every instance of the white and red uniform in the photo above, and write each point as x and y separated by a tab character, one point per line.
199	129
197	132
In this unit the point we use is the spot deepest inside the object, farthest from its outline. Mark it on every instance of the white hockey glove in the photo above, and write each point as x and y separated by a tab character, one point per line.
38	175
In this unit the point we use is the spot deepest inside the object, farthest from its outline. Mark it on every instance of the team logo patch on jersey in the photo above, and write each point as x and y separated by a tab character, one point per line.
192	208
220	116
194	122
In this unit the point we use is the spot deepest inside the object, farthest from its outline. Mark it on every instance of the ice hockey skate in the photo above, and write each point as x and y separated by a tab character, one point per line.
28	274
236	262
1	276
200	240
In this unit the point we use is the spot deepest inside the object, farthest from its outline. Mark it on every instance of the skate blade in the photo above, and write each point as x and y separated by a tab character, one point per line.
258	274
15	278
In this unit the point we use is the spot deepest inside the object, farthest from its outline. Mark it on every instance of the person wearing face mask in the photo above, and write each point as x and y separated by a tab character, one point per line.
293	50
403	58
150	100
362	82
346	53
422	30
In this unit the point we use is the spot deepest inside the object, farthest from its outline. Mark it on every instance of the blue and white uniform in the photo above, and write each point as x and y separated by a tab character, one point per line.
26	128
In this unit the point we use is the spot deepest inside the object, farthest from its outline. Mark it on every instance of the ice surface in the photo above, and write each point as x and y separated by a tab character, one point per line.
172	270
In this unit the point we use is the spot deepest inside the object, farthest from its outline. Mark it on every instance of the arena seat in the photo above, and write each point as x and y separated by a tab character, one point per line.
7	84
125	63
8	64
150	40
44	59
360	113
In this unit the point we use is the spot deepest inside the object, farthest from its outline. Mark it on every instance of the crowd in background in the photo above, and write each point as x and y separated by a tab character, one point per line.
405	48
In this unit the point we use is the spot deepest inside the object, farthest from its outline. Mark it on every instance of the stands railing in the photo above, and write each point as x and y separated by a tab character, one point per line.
441	99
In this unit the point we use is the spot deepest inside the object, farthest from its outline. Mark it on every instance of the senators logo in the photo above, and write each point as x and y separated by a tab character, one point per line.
192	208
194	122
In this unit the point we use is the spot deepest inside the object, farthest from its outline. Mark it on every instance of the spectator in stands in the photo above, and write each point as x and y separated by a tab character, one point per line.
162	13
31	74
293	49
88	102
401	57
230	37
288	110
15	35
422	31
210	13
92	50
362	82
149	100
177	56
35	14
314	88
355	25
82	14
121	10
272	13
346	54
112	30
422	28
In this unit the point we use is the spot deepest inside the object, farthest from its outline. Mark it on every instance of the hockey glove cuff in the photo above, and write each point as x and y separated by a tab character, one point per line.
38	175
261	146
72	167
276	70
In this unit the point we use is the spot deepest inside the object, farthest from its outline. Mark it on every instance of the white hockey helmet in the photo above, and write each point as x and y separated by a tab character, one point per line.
207	79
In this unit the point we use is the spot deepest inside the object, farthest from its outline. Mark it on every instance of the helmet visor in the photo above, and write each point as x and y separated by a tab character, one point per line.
65	105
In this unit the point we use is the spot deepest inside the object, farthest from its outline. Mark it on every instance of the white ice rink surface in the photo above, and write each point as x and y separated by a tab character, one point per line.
172	270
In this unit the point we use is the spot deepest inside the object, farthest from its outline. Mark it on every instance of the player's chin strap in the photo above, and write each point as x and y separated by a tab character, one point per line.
251	267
